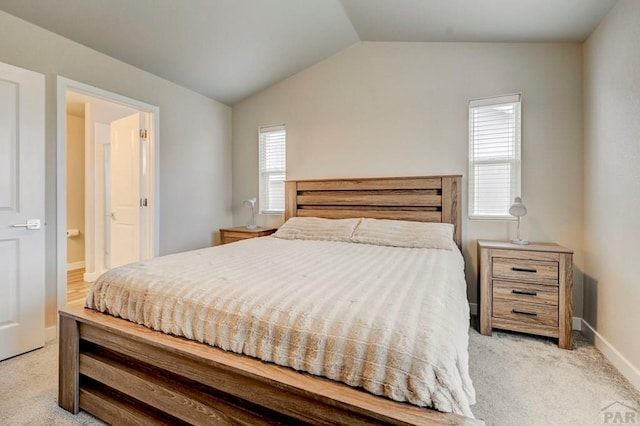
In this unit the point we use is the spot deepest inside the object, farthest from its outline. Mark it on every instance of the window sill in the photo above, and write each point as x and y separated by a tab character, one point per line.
494	218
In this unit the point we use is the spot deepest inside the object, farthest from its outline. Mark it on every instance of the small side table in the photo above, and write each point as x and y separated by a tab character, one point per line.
237	233
526	288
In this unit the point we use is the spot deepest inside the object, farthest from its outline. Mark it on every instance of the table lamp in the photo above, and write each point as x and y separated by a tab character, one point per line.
251	202
518	210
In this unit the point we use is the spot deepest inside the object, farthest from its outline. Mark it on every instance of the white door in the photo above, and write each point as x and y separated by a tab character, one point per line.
22	242
125	190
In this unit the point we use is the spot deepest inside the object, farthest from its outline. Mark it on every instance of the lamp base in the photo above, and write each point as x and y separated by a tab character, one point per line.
521	242
251	226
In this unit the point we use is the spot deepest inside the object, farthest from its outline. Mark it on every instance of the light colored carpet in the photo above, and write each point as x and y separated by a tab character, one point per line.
29	391
519	380
525	380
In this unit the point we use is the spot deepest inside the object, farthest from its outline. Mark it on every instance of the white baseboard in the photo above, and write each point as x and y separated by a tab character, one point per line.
473	307
75	265
623	365
50	333
91	276
577	323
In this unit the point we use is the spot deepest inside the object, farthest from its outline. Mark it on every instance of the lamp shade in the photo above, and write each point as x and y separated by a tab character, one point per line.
517	209
251	202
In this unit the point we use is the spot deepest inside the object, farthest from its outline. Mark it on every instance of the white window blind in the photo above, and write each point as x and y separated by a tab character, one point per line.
272	168
494	155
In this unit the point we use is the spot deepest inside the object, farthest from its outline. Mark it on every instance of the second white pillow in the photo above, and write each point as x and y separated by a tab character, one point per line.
401	233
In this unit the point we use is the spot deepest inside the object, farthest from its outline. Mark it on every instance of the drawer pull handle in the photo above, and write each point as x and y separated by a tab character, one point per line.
525	292
533	314
532	270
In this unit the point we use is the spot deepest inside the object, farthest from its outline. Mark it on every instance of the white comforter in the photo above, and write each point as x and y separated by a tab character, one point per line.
393	321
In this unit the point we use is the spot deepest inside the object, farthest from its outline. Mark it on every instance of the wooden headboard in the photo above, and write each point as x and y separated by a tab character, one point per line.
422	199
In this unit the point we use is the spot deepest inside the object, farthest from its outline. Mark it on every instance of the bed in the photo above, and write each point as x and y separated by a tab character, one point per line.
128	373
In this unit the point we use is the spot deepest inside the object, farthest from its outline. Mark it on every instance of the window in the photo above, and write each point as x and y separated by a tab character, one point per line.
494	156
272	168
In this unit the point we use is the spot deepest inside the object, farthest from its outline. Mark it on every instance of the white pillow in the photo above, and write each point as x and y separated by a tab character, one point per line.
316	228
401	233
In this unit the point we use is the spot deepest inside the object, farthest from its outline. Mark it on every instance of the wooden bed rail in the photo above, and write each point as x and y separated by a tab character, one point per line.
125	373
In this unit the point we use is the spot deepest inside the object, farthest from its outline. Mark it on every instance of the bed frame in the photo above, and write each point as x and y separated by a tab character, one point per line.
124	373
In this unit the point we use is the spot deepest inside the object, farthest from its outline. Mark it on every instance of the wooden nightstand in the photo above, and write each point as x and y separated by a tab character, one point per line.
526	288
229	235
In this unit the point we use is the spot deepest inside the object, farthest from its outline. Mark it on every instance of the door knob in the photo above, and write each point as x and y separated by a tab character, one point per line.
31	224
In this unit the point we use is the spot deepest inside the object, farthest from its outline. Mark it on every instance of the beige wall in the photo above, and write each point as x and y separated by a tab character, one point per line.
195	138
612	180
75	187
390	109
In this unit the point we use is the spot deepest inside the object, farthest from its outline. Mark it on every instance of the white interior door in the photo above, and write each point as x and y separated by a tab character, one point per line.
125	190
22	239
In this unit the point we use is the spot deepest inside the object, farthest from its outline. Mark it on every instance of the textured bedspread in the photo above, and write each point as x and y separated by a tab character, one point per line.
393	321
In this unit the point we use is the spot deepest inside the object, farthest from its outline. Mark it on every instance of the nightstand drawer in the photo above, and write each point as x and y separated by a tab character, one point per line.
525	312
238	233
526	292
542	272
227	239
235	236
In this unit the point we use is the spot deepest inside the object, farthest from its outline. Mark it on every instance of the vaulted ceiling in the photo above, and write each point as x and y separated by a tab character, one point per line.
231	49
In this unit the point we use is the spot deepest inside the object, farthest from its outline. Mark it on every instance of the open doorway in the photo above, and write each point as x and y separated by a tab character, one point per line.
110	183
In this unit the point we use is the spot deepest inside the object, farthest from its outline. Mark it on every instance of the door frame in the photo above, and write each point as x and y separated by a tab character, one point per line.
153	137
